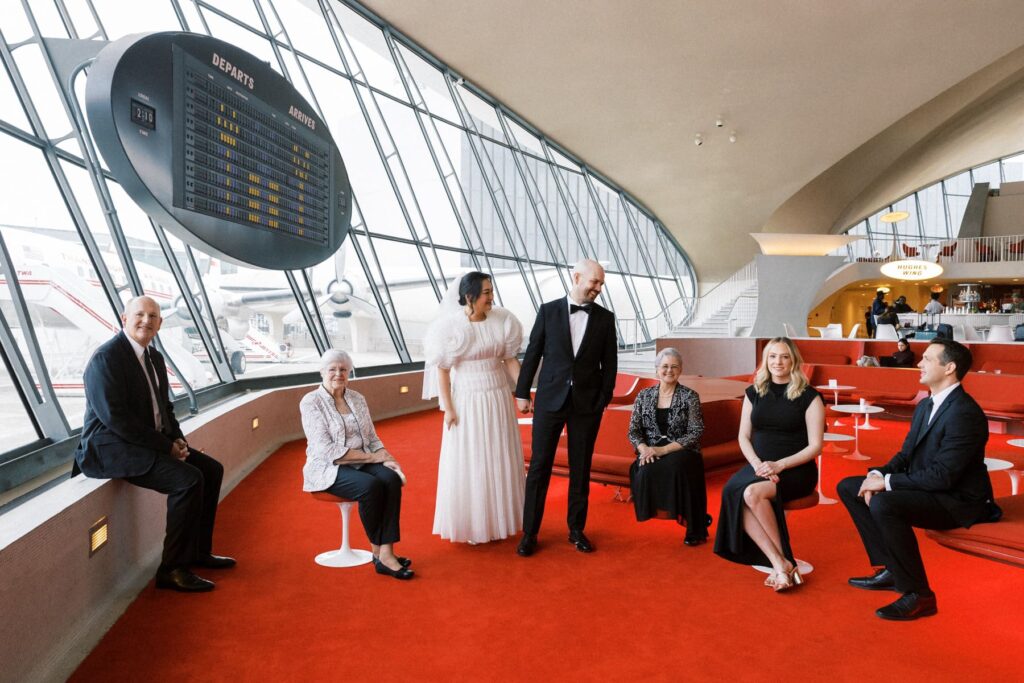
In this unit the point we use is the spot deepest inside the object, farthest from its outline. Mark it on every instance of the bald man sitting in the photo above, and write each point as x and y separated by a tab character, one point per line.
130	433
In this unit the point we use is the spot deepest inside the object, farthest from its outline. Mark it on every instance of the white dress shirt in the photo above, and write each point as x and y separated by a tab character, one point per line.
139	350
577	325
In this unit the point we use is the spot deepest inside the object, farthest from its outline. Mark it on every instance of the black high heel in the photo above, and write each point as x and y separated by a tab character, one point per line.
403	574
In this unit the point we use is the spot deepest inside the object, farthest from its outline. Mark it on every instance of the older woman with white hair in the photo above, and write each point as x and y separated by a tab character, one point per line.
667	478
345	457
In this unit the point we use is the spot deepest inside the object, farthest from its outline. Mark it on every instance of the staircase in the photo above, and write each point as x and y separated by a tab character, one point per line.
741	311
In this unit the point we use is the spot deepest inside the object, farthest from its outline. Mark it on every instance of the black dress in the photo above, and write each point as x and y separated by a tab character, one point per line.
673	486
778	430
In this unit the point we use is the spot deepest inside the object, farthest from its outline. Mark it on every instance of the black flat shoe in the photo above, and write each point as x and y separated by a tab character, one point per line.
403	574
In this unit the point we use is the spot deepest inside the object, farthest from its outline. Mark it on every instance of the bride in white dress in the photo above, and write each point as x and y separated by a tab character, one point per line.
470	357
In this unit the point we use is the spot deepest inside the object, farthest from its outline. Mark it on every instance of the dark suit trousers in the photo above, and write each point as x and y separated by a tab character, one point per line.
886	528
192	486
378	490
582	432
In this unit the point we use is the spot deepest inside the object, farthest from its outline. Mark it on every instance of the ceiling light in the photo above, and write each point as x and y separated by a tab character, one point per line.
719	122
732	136
698	139
895	217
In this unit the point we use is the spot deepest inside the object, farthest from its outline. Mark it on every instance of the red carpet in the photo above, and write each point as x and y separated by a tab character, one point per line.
642	607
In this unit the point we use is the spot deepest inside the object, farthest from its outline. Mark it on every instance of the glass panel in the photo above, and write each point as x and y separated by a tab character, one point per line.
508	282
18	426
177	333
989	173
475	198
81	17
959	184
48	19
436	208
908	229
353	320
957	207
647	296
120	18
1013	168
69	312
431	84
520	217
563	160
16	26
365	171
372	53
933	211
42	90
485	119
240	10
416	304
527	140
307	28
11	110
295	74
230	32
564	236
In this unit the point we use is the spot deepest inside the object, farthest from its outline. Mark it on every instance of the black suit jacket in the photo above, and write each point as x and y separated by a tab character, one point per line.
947	458
590	373
119	437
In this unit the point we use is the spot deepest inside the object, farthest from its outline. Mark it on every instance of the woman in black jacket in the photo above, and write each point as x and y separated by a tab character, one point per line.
667	478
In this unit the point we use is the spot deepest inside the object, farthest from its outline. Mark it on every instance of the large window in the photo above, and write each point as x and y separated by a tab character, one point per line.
445	180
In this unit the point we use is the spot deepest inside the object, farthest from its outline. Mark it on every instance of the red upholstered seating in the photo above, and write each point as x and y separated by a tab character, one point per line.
1007	367
948	250
986	253
1002	541
909	251
808	501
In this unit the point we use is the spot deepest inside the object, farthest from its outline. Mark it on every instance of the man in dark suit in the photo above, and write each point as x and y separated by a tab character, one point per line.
130	433
576	340
938	480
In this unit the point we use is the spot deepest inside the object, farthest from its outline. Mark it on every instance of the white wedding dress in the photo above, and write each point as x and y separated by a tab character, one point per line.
480	477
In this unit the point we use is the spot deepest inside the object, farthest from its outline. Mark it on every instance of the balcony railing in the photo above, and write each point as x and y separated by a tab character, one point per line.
955	250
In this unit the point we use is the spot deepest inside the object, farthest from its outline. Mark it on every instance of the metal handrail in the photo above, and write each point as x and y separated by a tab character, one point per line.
938	249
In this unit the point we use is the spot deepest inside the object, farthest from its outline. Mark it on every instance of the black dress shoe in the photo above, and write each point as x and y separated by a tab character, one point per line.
695	540
582	543
526	546
183	580
403	574
909	607
211	561
883	580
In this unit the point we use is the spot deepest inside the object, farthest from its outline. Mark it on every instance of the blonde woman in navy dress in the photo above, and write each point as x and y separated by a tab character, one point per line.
781	430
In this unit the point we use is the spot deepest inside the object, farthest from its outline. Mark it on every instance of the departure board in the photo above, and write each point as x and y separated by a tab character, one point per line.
220	149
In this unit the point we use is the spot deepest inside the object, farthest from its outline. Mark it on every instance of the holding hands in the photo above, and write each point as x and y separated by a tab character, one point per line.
524	405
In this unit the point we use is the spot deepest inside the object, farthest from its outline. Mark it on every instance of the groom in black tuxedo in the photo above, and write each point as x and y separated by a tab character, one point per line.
938	480
576	340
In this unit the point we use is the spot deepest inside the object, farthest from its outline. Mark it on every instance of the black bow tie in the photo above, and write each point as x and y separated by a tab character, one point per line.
584	308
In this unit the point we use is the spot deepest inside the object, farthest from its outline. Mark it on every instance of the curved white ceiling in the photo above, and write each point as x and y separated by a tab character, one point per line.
626	85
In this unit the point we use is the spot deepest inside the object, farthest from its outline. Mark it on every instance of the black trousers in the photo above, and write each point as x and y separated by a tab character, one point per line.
582	432
886	528
192	486
378	490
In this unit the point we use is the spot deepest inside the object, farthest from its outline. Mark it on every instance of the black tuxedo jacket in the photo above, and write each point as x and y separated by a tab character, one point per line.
119	437
590	373
947	458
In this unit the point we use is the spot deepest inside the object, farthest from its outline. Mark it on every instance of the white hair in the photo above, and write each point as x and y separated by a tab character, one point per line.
668	351
335	356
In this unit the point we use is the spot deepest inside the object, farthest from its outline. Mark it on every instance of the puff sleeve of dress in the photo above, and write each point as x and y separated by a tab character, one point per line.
513	334
448	338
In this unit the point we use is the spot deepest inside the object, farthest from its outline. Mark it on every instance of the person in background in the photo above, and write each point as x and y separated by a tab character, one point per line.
345	457
782	426
933	307
902	306
878	307
889	317
667	478
904	357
